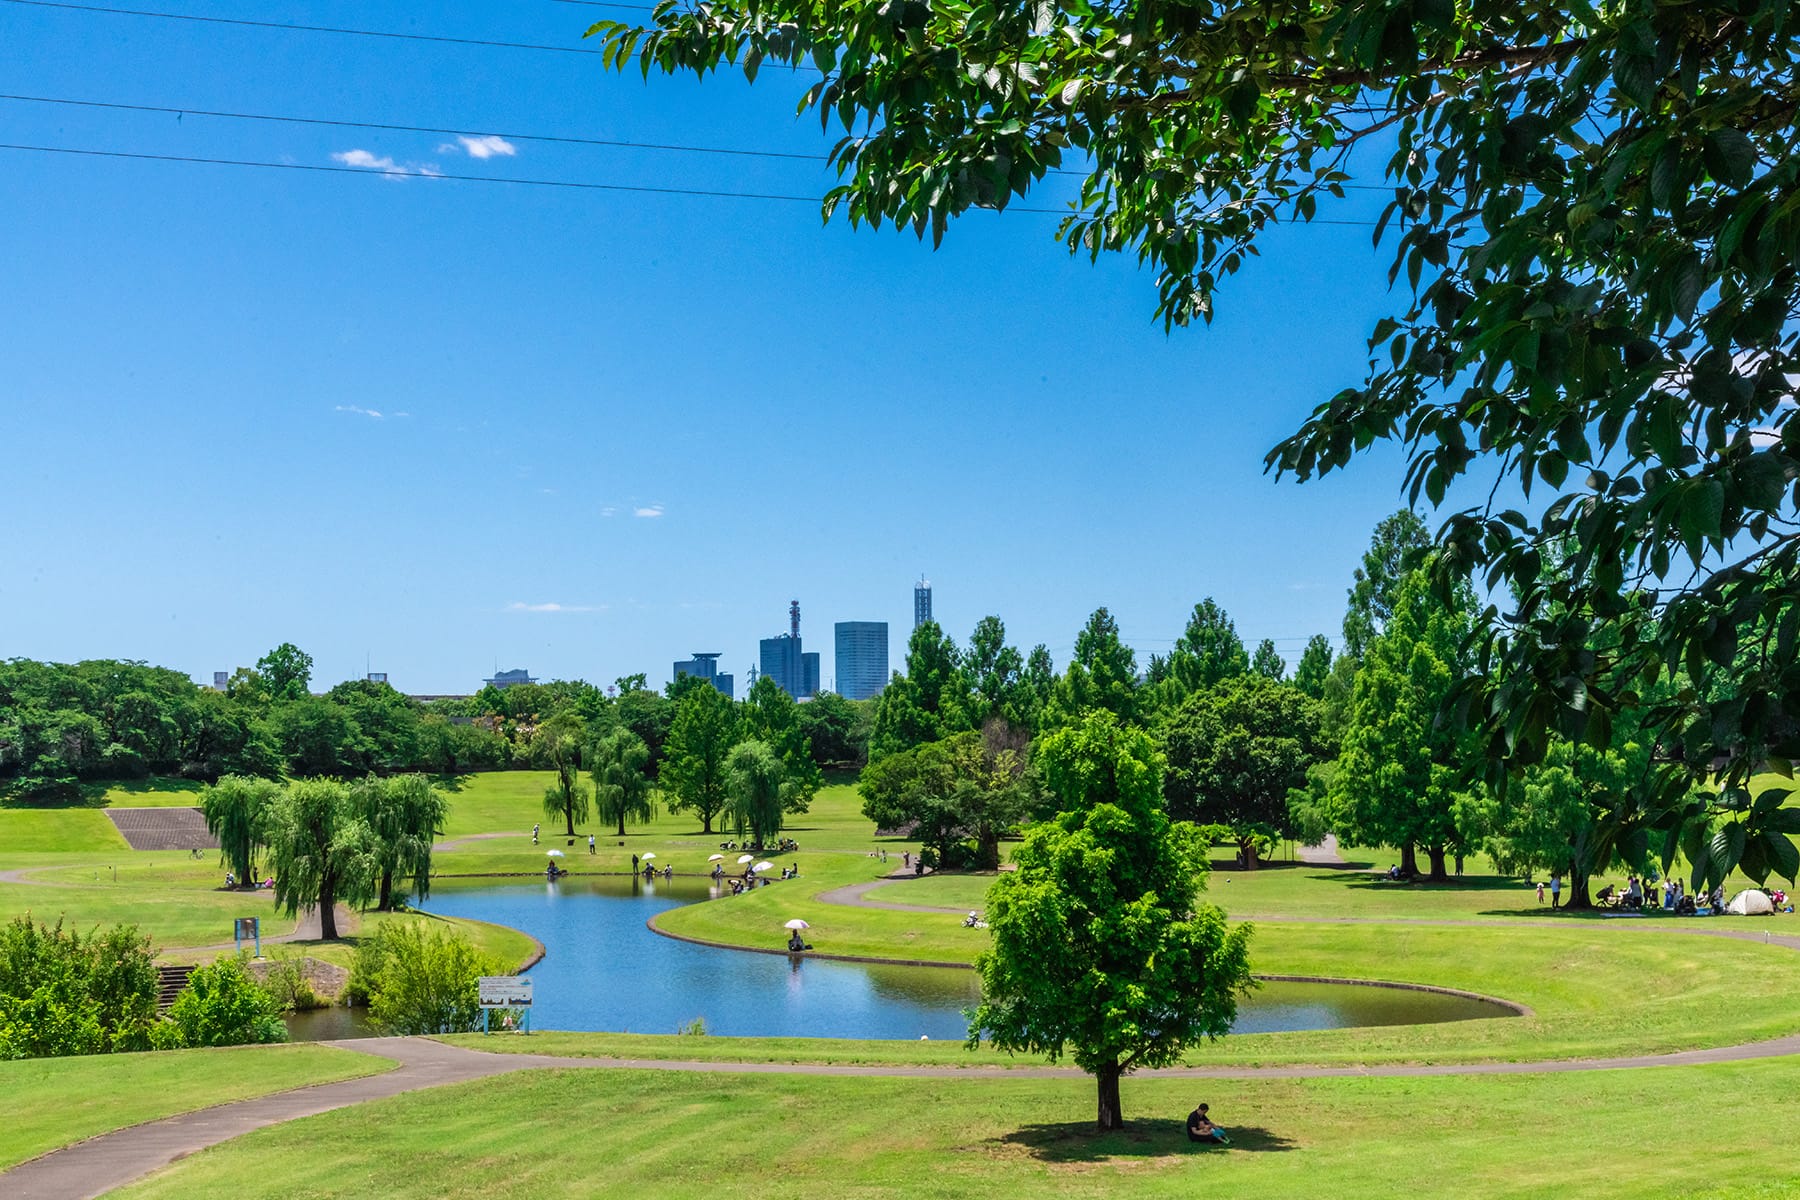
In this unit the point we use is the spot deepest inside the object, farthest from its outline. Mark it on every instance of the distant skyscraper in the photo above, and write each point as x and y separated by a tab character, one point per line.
705	666
862	658
921	602
513	678
785	661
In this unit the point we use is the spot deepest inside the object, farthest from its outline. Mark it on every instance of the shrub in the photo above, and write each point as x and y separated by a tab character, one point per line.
421	980
63	994
222	1005
287	984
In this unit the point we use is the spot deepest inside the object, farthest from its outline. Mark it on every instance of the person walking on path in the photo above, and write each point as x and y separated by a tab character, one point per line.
590	843
534	833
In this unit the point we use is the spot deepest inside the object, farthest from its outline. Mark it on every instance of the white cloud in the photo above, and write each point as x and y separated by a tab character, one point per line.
609	511
553	607
374	414
382	163
653	510
487	146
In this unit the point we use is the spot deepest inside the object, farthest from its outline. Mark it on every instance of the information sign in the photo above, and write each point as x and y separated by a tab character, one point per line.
504	991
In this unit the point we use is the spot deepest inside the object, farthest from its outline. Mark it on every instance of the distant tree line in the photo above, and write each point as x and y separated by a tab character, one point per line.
66	725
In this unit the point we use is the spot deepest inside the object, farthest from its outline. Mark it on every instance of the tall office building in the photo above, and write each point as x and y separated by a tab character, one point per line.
785	660
704	666
862	658
921	602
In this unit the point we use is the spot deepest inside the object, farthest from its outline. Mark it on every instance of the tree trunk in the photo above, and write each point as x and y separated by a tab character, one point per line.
621	822
705	821
1409	860
1111	1115
569	816
1575	890
386	902
328	910
1439	872
1247	854
989	849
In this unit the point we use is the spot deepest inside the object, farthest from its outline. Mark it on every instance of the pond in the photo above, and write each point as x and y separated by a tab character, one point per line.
604	970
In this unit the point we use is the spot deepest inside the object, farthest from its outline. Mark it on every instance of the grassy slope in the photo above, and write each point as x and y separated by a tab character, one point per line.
53	1102
1516	1138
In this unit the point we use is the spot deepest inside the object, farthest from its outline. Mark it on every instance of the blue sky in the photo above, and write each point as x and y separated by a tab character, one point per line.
452	426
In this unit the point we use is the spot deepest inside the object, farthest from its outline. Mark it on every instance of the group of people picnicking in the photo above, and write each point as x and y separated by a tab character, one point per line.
232	884
1646	894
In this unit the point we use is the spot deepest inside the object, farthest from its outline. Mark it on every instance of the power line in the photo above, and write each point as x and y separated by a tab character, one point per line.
375	33
396	128
392	127
583	185
575	184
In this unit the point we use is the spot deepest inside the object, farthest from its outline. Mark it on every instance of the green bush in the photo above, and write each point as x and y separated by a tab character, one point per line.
287	983
222	1005
421	980
63	994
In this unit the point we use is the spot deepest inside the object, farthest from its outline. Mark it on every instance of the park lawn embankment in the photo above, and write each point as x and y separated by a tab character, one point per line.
55	1102
491	815
1515	1138
26	832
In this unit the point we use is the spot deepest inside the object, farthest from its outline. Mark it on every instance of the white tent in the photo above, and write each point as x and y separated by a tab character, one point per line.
1750	903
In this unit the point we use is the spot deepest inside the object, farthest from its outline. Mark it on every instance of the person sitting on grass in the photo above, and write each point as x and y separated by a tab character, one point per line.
1201	1129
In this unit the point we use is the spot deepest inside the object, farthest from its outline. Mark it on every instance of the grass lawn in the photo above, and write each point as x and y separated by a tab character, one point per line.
33	831
53	1102
655	1135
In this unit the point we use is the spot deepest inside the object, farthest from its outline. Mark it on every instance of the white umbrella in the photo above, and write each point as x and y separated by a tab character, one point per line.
744	858
649	856
554	853
763	866
714	857
796	923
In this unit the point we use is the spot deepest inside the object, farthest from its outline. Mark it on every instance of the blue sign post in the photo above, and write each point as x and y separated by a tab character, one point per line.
247	927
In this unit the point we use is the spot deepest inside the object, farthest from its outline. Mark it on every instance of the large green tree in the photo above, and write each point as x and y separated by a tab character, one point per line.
1235	751
1590	220
559	743
694	774
772	717
286	672
1101	949
322	851
1396	549
405	815
1103	674
756	783
618	764
236	810
1403	770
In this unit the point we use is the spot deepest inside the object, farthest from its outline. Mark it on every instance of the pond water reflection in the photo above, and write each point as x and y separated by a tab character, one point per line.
604	970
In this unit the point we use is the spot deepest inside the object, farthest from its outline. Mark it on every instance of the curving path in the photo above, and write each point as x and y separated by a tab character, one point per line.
98	1165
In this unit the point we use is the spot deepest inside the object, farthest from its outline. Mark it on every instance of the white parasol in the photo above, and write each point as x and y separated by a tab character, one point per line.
744	858
796	923
554	853
649	855
714	857
763	866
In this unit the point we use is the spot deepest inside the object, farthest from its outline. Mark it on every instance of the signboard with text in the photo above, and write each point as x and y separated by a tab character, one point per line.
504	991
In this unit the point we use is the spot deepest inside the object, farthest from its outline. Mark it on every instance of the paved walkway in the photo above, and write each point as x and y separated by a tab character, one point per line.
1325	854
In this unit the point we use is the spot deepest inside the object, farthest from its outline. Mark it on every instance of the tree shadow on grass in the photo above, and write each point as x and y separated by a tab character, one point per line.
1072	1142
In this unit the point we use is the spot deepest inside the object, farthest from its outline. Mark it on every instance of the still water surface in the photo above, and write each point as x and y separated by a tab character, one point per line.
604	970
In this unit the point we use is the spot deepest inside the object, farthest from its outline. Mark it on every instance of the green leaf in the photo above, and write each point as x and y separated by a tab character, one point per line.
1730	156
1702	509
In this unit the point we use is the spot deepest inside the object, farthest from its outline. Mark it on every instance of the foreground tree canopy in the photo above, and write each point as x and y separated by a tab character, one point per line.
1593	225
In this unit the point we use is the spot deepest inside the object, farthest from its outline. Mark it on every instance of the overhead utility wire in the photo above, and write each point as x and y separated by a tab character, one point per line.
394	128
559	139
377	33
577	184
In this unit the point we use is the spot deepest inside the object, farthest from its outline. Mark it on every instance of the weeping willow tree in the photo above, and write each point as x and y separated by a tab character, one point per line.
621	788
236	809
405	814
758	785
